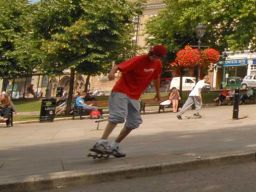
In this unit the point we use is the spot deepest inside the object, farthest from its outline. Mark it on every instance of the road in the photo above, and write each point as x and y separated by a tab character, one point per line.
224	178
35	152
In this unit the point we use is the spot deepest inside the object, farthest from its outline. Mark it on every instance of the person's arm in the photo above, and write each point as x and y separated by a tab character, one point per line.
178	93
111	75
157	88
171	96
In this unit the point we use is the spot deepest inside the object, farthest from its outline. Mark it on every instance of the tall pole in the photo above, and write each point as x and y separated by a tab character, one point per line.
200	31
198	66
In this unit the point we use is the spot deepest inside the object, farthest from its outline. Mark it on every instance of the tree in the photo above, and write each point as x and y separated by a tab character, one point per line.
83	35
230	24
12	30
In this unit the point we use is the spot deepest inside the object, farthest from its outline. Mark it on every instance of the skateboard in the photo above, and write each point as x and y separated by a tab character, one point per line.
193	117
95	155
99	155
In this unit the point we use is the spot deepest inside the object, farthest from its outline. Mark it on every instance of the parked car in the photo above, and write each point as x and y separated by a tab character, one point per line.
249	81
187	83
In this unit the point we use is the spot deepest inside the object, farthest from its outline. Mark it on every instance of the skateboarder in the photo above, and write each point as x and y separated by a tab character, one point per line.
124	105
194	97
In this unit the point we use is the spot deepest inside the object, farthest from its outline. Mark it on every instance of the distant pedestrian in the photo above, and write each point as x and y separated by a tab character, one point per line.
80	102
124	105
195	97
174	98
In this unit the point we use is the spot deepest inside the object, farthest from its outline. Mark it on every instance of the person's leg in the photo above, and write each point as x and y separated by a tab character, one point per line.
222	98
88	107
123	134
117	114
175	105
189	102
133	121
108	130
198	105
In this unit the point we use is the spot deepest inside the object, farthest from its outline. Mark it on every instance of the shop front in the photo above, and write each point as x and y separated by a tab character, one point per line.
233	72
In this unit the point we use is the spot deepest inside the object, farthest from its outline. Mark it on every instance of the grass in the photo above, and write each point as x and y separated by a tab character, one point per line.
34	105
27	105
207	96
25	117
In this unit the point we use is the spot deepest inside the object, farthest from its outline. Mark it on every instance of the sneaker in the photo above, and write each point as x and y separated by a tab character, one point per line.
197	115
101	148
117	153
179	117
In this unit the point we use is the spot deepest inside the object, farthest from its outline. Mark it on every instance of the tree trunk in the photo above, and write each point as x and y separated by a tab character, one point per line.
5	84
181	81
71	90
87	84
13	83
25	87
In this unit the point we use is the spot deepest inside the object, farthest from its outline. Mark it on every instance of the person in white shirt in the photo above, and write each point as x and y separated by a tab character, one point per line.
194	97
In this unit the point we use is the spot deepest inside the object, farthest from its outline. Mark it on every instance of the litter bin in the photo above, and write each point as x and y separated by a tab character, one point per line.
47	112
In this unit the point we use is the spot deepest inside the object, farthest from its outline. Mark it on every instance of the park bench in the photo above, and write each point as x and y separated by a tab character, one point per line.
100	104
79	111
249	100
152	102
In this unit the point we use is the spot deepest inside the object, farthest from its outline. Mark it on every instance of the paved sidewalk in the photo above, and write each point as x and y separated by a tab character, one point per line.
39	155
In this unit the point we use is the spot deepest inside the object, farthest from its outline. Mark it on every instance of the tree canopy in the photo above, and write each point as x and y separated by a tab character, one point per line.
14	34
53	35
230	24
86	35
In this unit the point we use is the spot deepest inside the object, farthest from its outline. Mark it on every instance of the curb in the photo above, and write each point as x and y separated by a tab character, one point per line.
60	180
37	121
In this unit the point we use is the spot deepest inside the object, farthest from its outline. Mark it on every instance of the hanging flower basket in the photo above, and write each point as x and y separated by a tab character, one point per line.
188	57
211	55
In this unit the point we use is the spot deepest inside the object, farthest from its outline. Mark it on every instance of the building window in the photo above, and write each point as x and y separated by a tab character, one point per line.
44	81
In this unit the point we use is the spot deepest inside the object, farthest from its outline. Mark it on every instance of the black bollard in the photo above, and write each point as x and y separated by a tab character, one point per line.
236	104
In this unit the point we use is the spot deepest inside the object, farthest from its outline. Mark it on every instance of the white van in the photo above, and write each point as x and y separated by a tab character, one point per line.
187	83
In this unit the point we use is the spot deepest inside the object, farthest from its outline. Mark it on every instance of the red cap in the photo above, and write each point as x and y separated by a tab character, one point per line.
158	50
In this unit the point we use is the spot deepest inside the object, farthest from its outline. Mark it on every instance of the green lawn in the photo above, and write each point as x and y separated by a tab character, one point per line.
25	117
32	105
27	105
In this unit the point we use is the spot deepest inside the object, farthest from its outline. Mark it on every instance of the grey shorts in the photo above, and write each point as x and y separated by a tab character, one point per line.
124	109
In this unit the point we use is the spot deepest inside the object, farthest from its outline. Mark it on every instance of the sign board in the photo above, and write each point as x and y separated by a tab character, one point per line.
235	62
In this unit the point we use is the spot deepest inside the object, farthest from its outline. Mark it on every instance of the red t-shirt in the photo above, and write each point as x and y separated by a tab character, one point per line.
137	73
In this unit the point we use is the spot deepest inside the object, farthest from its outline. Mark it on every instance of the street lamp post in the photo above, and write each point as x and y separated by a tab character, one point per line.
223	60
200	31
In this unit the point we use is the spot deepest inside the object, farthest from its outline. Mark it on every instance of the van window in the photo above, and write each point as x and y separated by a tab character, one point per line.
189	81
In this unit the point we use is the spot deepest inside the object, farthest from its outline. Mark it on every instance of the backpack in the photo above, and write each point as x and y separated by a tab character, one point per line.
95	114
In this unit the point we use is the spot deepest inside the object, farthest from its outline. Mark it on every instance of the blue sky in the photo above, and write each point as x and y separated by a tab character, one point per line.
33	1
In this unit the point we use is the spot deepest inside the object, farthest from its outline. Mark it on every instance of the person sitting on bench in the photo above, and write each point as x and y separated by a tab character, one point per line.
246	96
6	106
80	102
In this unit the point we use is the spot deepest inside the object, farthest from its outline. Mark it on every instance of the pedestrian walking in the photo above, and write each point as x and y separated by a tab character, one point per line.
124	105
195	97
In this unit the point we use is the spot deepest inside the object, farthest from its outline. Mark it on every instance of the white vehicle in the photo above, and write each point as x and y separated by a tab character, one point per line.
249	81
187	83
